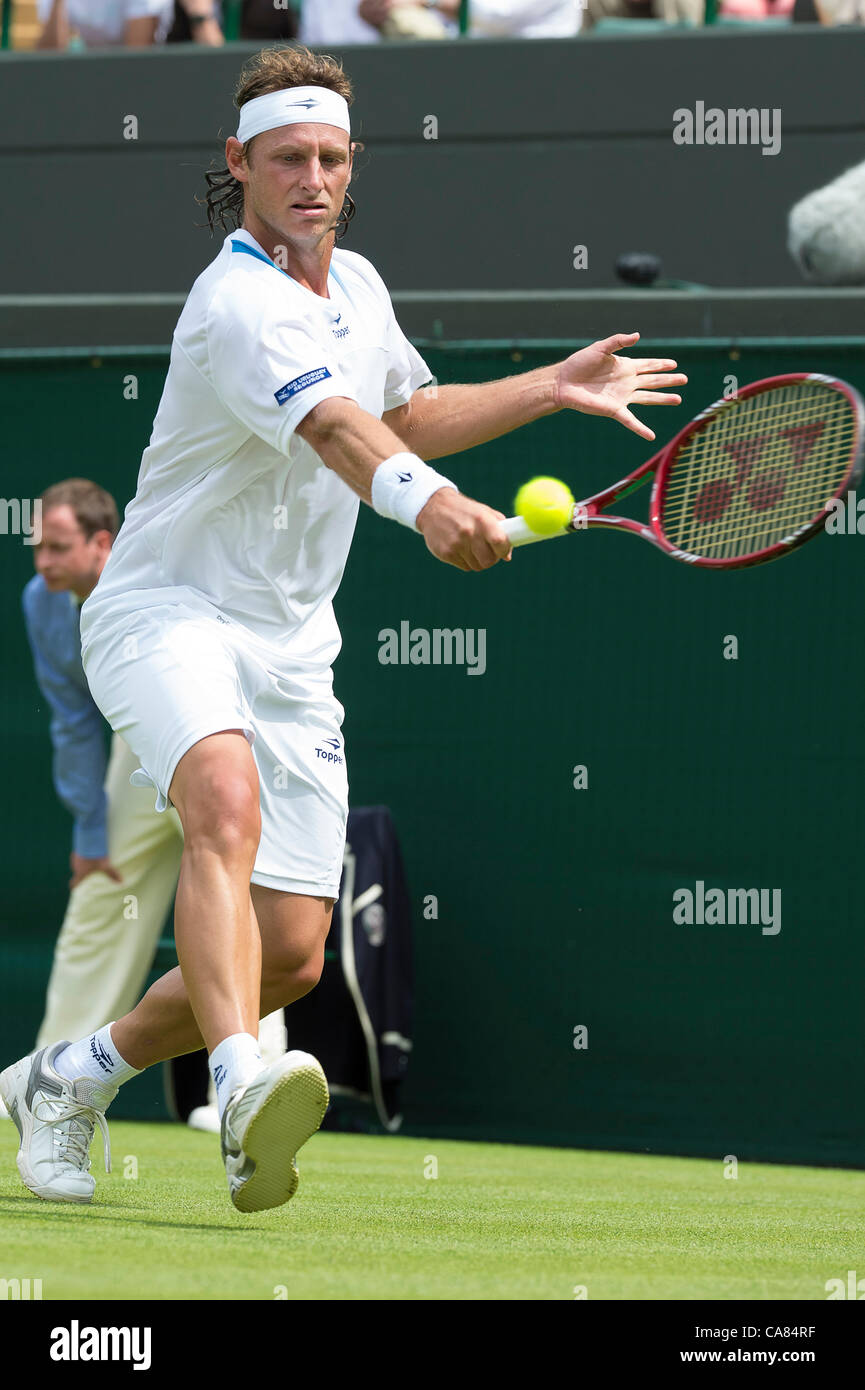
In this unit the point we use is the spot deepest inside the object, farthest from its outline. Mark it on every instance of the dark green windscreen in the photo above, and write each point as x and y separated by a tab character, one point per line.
554	904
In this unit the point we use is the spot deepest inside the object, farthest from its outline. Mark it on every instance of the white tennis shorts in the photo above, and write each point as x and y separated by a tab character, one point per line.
167	676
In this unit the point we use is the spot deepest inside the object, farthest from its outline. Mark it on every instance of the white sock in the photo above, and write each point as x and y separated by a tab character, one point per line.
96	1056
233	1063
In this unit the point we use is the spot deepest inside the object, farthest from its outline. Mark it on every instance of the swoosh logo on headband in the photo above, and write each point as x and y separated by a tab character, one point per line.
309	102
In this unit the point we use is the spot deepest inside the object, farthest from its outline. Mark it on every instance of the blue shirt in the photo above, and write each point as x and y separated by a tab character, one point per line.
77	726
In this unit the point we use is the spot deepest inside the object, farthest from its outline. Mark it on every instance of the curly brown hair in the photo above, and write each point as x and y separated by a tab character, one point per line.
273	70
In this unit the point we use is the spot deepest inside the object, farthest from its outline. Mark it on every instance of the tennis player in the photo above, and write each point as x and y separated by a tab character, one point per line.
209	639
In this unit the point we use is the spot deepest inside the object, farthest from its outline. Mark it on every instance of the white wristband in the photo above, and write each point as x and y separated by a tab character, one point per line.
402	485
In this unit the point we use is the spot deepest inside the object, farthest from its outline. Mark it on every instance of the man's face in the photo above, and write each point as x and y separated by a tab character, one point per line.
296	179
64	557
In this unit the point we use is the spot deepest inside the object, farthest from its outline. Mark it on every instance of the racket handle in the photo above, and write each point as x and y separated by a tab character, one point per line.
519	532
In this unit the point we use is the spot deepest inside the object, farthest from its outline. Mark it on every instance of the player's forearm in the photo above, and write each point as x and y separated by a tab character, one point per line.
350	441
359	448
449	419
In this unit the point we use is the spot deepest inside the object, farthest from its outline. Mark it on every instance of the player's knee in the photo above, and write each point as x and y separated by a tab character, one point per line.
225	817
291	974
307	976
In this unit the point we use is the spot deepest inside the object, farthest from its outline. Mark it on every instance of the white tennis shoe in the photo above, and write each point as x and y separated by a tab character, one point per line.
264	1125
56	1119
205	1117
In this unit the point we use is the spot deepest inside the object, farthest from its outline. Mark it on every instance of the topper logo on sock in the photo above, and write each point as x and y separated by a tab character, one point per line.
100	1055
219	1075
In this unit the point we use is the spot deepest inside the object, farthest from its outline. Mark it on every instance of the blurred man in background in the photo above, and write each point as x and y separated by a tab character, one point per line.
125	859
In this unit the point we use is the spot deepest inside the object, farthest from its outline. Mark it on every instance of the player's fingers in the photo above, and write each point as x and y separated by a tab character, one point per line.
631	422
499	541
653	398
618	341
648	380
448	556
654	364
484	555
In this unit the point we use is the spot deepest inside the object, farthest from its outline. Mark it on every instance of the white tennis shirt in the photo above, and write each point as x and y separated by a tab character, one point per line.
231	504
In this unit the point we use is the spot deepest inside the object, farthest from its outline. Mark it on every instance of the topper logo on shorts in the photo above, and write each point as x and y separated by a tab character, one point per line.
300	383
329	754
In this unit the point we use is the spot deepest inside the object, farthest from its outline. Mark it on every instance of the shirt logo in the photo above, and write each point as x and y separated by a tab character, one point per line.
300	383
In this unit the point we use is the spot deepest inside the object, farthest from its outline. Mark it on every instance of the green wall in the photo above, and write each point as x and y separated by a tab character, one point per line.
554	904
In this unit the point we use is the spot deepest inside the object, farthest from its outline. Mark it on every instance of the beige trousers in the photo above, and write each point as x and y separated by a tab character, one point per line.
111	930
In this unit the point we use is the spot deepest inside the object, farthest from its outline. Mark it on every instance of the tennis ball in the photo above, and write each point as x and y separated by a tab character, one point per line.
545	504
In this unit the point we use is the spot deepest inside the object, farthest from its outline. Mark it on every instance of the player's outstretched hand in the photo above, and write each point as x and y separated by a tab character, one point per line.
597	382
463	532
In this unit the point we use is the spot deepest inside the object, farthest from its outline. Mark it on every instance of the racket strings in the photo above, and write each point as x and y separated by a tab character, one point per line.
759	471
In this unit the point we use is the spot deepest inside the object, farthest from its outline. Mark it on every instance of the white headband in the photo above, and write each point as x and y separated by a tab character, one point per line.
291	107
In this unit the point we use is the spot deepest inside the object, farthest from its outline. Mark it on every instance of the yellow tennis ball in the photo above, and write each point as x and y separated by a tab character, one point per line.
545	504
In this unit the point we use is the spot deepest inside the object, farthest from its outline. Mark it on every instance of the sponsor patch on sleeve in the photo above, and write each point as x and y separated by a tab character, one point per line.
300	383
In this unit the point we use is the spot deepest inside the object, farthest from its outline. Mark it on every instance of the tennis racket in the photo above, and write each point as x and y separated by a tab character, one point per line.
746	481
